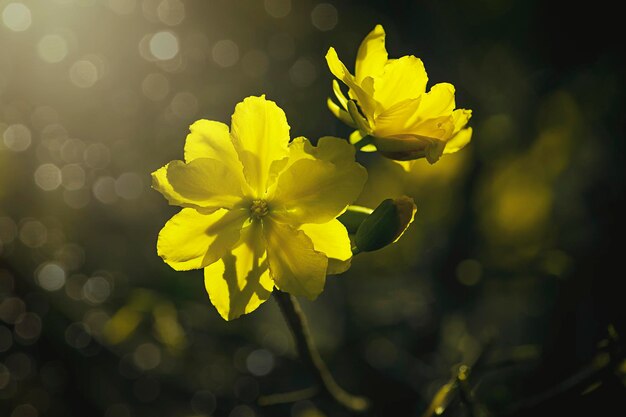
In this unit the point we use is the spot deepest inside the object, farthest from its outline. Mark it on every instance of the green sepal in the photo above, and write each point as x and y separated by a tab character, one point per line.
353	217
385	224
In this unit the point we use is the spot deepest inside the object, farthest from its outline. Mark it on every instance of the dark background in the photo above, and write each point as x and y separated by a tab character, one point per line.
513	264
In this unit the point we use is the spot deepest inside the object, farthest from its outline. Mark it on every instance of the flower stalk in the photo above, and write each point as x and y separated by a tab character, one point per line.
308	353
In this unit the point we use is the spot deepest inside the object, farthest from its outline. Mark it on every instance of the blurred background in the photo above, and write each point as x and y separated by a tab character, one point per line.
511	266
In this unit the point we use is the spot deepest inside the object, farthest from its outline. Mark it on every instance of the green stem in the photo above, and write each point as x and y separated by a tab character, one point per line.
310	356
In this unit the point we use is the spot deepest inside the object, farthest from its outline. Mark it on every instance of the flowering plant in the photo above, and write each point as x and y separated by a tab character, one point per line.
263	214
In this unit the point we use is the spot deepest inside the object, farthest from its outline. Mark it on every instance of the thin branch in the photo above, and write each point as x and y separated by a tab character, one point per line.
574	384
459	385
310	356
288	397
611	355
465	391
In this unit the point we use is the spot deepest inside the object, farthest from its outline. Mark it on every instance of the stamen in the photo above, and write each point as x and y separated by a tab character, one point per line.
259	209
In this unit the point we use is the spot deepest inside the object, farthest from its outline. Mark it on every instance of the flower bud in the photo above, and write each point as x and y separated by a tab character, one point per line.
385	224
353	217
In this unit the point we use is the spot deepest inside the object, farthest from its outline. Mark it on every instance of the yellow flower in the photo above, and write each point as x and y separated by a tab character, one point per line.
388	104
258	211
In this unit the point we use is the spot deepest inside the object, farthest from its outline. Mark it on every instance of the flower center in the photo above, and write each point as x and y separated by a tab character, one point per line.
259	209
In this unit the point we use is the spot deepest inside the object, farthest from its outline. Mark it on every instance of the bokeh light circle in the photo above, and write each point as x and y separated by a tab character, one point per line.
164	45
83	73
324	17
17	17
17	137
225	53
52	48
51	277
48	177
278	8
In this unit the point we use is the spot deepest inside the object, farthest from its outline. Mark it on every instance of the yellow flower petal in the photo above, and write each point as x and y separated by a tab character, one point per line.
458	141
340	97
367	85
439	128
162	185
339	70
362	122
372	55
260	134
409	117
331	239
295	153
339	113
407	166
193	240
314	191
295	266
426	139
439	101
461	118
329	148
240	282
402	79
461	136
202	183
317	191
211	139
299	148
398	119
